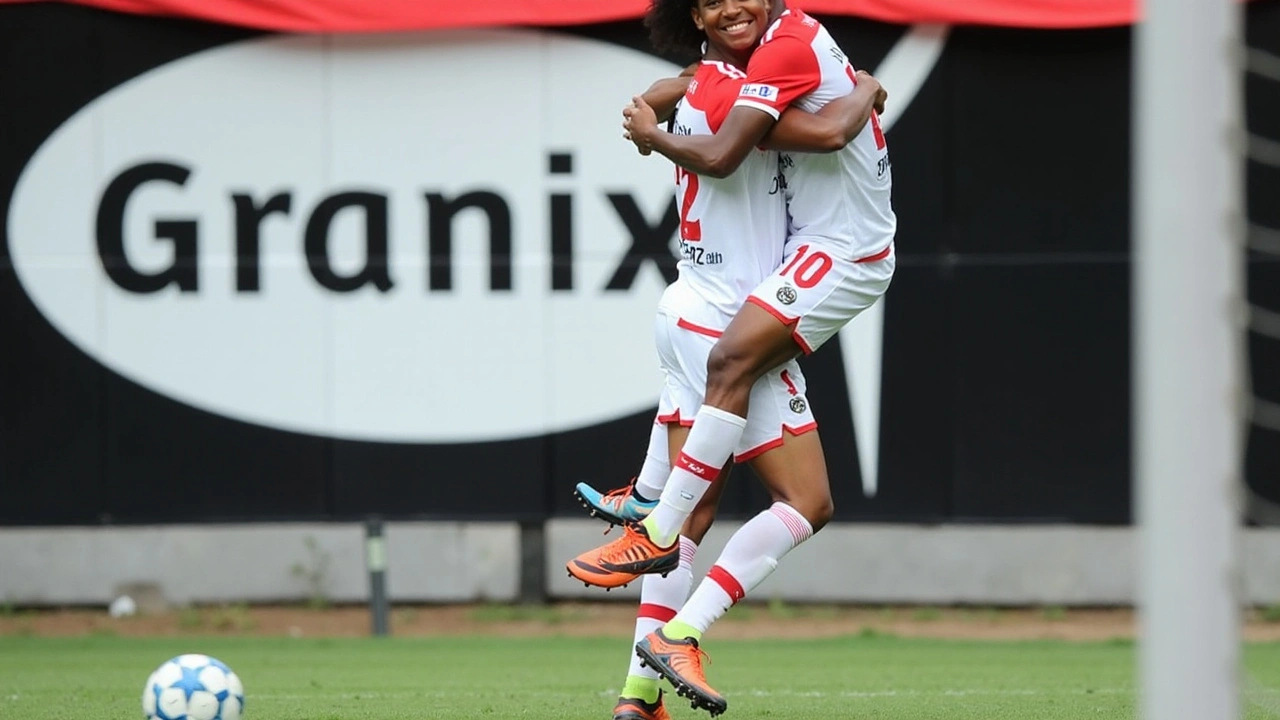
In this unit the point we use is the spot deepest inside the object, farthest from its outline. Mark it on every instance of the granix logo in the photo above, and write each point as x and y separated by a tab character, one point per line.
435	237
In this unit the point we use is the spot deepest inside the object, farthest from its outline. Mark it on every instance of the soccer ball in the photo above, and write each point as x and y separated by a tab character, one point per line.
193	687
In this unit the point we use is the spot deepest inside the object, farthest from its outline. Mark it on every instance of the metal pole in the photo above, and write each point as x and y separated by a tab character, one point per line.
533	562
1187	370
376	561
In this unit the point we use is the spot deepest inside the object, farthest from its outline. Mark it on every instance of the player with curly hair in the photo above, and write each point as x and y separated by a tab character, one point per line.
732	235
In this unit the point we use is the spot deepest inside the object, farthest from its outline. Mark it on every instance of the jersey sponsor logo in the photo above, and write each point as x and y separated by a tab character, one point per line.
297	247
779	184
698	256
759	90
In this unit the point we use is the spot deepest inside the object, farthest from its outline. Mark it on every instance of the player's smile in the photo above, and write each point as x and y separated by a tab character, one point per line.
733	26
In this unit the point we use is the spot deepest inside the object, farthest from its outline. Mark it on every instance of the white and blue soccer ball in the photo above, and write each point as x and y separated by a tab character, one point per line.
193	687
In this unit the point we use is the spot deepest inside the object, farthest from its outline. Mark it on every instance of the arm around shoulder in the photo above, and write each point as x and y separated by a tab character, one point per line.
663	95
717	155
832	127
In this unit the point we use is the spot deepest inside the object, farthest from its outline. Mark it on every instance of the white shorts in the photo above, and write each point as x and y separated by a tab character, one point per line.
816	292
778	402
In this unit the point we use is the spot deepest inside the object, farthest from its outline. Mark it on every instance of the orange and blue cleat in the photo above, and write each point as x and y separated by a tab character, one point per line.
616	507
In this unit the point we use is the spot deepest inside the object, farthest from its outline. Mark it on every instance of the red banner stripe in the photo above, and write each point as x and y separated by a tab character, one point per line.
385	15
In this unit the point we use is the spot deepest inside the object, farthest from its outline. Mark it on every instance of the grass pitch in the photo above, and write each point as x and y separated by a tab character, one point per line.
868	677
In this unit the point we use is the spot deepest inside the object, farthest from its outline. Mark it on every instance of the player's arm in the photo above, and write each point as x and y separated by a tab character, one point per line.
832	127
715	155
779	72
664	94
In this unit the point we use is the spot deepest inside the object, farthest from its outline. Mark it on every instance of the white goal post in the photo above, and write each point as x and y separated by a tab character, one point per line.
1190	394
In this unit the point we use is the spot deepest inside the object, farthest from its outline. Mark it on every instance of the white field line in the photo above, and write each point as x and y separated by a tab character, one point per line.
613	692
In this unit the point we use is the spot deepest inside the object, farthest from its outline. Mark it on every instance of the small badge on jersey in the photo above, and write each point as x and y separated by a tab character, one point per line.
798	405
786	294
757	90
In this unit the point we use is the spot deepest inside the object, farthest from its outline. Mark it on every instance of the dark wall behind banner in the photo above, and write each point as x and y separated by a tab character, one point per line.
1006	378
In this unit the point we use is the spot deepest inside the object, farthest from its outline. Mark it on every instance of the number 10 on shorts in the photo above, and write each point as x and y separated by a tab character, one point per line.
807	269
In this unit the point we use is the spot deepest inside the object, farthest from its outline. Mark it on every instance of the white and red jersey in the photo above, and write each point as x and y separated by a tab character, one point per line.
732	230
840	199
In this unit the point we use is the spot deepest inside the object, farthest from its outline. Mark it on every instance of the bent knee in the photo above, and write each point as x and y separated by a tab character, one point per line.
818	511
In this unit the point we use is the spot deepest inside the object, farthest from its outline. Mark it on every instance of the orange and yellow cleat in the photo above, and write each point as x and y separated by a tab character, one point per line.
680	662
617	563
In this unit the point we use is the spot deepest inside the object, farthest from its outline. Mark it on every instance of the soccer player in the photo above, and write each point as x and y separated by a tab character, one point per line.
839	261
731	239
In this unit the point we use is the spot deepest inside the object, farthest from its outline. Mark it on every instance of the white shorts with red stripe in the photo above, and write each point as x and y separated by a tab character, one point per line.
818	293
778	402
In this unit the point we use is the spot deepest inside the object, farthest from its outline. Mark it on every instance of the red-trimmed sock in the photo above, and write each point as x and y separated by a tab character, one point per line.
713	438
750	556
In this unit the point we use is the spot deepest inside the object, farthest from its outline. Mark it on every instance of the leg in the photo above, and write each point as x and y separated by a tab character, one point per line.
788	456
796	474
700	520
683	355
632	502
619	562
660	598
754	343
782	318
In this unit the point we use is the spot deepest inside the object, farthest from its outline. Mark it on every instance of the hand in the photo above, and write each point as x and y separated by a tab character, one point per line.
881	93
639	124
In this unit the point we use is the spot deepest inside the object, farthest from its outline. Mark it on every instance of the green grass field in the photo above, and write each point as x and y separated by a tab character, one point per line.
865	677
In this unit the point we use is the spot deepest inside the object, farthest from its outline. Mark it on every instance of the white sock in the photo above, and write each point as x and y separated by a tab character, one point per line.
711	441
659	599
749	557
657	465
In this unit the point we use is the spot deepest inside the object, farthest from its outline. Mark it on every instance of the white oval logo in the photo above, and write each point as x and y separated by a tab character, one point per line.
310	233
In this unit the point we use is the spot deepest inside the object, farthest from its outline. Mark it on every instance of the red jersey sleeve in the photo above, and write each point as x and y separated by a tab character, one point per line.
781	70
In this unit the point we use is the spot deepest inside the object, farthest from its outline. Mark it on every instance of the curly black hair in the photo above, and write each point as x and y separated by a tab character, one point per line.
671	29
